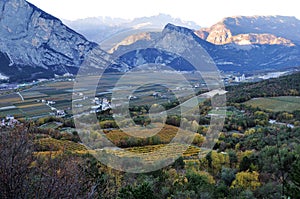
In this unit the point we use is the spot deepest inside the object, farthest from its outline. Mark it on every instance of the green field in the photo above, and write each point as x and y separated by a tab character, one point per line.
33	95
60	91
51	125
276	104
32	106
15	112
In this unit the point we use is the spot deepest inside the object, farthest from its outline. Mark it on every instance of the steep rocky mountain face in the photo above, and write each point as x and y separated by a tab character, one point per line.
253	38
268	54
99	28
244	30
160	49
34	44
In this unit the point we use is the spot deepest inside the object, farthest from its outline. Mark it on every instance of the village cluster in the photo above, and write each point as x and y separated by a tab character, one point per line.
9	121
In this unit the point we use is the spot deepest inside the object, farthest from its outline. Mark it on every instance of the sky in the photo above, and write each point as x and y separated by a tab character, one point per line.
204	13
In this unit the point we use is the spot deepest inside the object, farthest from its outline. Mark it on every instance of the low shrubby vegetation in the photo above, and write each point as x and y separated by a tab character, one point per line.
255	156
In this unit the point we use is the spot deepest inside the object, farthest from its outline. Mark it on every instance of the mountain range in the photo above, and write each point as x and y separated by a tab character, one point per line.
99	28
35	44
252	30
237	44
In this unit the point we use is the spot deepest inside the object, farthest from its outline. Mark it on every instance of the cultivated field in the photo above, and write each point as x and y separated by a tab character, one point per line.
31	102
284	103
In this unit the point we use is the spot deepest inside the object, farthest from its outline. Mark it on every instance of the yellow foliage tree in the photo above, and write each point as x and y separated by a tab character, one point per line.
261	118
243	154
246	180
287	116
218	160
198	139
194	126
250	131
209	177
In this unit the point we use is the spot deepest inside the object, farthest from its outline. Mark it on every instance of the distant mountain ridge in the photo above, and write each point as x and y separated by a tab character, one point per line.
99	28
34	44
235	57
253	30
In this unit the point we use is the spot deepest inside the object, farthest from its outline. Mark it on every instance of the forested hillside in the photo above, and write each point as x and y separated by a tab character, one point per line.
252	158
282	86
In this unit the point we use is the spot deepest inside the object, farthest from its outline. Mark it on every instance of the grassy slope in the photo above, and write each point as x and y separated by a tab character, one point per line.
283	103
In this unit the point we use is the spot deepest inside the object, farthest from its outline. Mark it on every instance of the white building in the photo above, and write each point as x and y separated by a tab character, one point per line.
50	102
10	117
60	113
131	97
240	79
105	104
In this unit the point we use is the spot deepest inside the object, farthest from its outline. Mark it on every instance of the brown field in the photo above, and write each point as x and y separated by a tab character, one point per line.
165	135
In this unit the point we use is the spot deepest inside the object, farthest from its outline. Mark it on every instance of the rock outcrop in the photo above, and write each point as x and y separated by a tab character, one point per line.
30	37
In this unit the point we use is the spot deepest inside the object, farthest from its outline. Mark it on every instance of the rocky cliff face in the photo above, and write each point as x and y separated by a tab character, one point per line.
32	38
160	48
244	53
252	38
34	44
253	30
144	36
217	34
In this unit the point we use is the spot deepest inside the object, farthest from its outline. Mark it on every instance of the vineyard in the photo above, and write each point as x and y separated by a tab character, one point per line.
148	152
50	144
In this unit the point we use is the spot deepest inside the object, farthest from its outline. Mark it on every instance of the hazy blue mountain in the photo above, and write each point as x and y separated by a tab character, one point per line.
99	28
34	44
229	57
